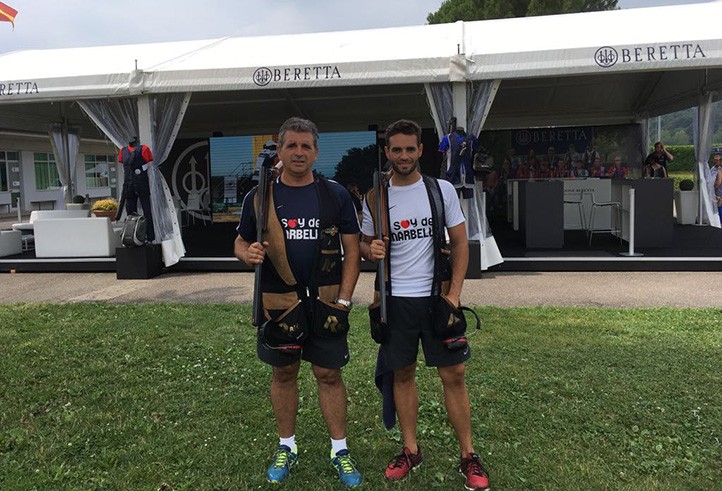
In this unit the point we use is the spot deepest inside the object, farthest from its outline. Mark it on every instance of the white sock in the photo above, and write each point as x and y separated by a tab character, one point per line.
338	445
290	442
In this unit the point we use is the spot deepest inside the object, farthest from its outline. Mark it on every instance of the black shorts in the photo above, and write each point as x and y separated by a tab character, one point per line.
322	352
409	321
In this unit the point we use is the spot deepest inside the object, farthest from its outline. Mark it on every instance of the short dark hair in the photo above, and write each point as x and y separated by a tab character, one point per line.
405	127
298	125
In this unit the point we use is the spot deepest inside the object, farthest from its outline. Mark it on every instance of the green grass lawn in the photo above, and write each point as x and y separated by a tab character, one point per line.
148	397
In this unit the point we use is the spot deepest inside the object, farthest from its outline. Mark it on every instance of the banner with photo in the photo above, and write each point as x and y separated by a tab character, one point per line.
583	151
348	157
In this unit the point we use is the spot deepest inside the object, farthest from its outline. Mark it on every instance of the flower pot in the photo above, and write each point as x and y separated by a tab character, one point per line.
686	203
105	213
77	206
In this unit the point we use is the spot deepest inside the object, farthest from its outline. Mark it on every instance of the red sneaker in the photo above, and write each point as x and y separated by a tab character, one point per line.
402	464
476	477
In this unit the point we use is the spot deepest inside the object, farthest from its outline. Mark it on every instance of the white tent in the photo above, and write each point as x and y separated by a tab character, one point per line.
599	67
558	55
337	59
593	68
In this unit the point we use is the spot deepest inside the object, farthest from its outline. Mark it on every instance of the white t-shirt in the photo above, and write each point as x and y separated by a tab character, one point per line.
412	247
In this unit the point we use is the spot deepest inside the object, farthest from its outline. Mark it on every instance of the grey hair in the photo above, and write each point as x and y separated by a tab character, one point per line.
298	125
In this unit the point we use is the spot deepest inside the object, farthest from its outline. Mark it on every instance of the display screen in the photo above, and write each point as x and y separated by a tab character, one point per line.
347	157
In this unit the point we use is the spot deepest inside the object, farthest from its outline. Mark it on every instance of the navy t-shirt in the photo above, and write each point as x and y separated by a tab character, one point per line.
297	209
661	158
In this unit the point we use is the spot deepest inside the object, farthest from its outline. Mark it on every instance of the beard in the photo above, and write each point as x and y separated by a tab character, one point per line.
398	170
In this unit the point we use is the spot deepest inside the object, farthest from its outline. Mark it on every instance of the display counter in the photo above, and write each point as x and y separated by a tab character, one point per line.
653	204
602	189
541	214
533	207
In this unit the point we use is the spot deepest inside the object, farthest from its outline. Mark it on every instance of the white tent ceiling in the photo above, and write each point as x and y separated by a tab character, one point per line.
347	80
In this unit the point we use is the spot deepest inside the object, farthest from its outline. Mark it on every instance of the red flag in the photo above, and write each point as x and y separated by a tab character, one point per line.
7	14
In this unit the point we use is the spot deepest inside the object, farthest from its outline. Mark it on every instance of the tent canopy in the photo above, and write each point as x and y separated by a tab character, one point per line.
590	68
336	59
599	67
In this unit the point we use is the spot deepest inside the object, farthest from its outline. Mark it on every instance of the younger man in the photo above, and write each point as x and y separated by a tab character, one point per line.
411	250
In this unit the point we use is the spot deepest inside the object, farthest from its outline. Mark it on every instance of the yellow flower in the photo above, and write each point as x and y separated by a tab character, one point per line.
108	204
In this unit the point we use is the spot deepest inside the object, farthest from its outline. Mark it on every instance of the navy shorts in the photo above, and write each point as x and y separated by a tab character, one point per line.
409	322
328	353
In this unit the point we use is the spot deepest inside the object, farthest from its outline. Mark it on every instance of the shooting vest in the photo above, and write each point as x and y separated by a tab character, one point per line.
134	177
280	289
442	267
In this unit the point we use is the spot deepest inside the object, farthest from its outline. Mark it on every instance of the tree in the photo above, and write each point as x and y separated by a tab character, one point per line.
453	10
357	166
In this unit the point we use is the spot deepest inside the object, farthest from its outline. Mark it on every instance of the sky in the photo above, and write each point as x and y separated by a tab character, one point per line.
42	24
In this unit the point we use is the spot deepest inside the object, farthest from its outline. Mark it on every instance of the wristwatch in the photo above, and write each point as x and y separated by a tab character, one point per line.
346	303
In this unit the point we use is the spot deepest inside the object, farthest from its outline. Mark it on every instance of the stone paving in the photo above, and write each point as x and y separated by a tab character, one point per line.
584	289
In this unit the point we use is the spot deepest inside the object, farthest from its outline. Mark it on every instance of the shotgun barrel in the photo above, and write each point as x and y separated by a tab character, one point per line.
380	191
121	205
264	179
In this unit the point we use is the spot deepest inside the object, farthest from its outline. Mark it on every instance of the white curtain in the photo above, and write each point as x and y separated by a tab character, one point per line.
65	148
440	99
167	111
118	120
702	142
488	248
479	95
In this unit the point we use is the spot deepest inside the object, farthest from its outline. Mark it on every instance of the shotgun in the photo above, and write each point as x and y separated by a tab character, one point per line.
379	190
119	213
264	174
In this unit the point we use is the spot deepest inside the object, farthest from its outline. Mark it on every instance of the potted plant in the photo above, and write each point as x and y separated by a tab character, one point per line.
107	207
78	203
686	202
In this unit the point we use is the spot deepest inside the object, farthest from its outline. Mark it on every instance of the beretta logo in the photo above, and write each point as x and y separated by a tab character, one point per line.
264	76
607	56
523	137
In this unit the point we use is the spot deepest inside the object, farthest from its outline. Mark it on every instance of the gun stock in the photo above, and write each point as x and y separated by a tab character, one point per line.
264	174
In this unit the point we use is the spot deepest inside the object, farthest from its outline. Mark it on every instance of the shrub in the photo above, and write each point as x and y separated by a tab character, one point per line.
78	199
683	157
686	185
108	204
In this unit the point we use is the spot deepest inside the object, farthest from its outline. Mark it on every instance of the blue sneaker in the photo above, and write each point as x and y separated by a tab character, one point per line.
347	472
283	460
